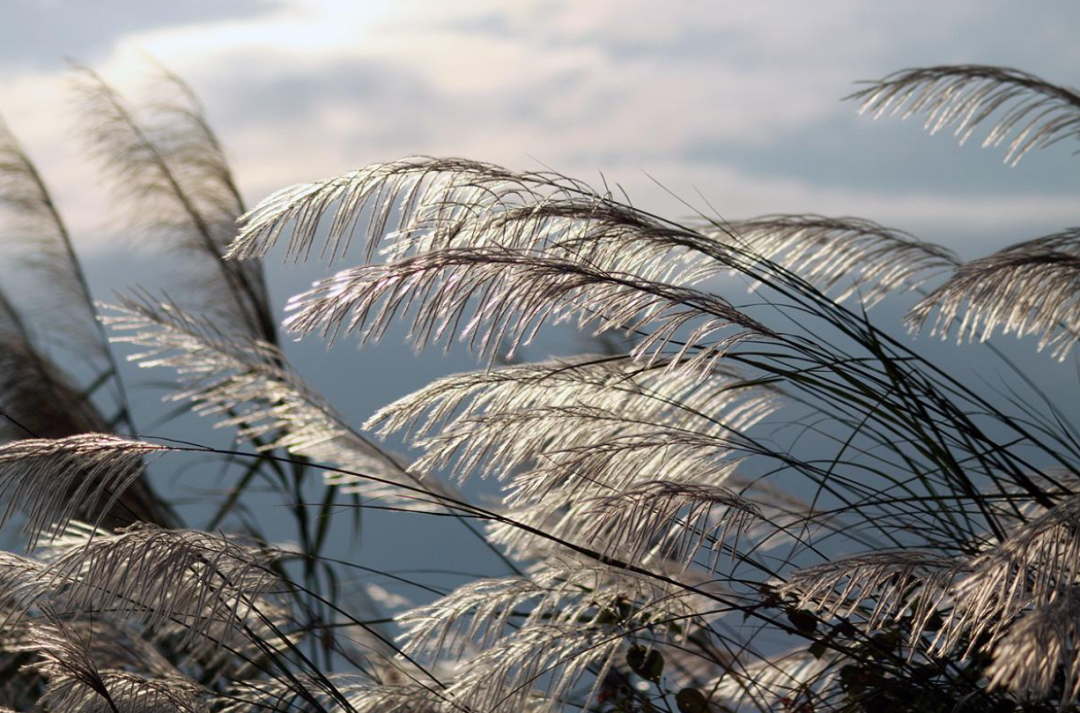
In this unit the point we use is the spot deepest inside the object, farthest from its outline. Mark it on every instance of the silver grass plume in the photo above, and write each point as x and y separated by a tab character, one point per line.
38	398
564	513
1029	570
51	480
676	520
564	431
649	395
579	427
77	683
172	169
398	199
588	228
879	586
520	292
1020	108
1037	647
459	396
420	205
250	385
126	693
271	631
475	614
560	455
768	683
208	585
32	226
559	590
22	582
237	380
833	252
622	454
109	642
40	401
505	676
363	694
1028	289
1016	600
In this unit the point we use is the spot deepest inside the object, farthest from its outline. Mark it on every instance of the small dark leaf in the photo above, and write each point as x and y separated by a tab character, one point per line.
818	648
647	663
691	700
804	621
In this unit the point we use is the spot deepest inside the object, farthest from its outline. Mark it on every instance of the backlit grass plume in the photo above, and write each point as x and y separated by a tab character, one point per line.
768	506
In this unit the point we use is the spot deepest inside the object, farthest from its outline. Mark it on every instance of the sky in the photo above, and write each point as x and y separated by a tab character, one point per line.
732	107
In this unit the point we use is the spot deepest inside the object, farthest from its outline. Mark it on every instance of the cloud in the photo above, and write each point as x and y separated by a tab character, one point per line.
739	100
40	33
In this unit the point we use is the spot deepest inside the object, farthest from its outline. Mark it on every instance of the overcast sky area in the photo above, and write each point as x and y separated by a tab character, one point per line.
733	105
735	102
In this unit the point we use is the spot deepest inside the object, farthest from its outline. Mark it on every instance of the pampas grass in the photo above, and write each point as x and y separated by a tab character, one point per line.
671	546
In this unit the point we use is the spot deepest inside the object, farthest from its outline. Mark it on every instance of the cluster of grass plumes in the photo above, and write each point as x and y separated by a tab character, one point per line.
667	547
